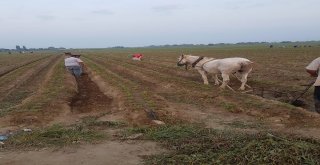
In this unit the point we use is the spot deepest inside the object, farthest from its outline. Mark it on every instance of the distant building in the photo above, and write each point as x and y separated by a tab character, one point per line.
18	47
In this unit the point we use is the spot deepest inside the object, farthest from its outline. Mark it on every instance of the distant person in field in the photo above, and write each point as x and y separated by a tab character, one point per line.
313	70
73	64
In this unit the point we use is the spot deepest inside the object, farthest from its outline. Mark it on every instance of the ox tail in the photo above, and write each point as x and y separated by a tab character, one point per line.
246	66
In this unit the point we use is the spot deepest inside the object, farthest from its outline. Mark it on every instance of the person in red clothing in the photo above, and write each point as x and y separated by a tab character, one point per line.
137	56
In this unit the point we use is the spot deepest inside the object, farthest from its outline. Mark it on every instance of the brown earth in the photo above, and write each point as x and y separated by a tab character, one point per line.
96	97
89	97
110	152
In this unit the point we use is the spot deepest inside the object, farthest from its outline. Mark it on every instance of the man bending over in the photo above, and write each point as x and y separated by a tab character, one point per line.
73	64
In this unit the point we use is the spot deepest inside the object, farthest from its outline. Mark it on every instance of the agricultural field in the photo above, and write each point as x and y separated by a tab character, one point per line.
122	111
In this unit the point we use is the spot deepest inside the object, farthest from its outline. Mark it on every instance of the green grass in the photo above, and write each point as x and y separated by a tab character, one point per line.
91	121
90	130
229	106
54	136
166	133
192	144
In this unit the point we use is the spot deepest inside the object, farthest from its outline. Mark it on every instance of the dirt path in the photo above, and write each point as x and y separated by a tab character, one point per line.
165	89
111	152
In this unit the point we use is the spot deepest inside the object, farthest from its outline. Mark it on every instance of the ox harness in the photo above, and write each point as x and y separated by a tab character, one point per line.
196	62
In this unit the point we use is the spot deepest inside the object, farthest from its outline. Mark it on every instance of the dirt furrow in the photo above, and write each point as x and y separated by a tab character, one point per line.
89	97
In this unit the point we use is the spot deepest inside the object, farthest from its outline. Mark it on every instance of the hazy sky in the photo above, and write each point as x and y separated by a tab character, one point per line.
105	23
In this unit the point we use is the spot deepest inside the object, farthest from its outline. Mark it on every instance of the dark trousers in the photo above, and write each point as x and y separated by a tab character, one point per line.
316	96
75	70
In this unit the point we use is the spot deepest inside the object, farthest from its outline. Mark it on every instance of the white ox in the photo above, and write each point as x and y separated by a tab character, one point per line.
226	67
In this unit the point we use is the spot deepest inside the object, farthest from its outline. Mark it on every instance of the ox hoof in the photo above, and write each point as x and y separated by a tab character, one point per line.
216	84
241	89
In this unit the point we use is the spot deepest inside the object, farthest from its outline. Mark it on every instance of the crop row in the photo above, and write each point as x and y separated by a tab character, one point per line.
23	82
10	64
171	87
137	97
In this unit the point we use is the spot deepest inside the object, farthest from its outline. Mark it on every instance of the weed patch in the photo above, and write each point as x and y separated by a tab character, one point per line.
54	136
166	133
91	121
190	144
231	107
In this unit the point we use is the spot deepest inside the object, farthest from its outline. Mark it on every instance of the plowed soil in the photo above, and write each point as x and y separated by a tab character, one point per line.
89	97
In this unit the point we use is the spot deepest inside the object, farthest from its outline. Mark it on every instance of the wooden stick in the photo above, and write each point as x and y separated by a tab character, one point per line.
227	86
240	80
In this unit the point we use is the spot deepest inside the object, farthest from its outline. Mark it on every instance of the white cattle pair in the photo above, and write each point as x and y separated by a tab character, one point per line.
225	67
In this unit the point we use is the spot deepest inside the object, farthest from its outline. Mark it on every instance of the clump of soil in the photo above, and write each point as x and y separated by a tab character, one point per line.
89	97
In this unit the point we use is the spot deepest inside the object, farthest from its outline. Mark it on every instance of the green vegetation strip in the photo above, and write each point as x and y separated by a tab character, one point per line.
90	130
53	136
193	144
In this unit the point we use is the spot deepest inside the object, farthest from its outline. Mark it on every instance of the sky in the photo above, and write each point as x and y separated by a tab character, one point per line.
107	23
